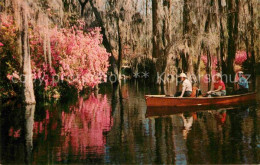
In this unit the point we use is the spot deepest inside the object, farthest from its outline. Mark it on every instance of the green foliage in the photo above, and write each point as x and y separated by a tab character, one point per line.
9	58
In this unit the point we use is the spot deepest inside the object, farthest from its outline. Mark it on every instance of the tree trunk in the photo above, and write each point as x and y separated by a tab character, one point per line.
232	26
17	19
187	32
45	47
156	33
190	68
107	45
219	64
252	44
28	92
186	19
82	5
146	8
222	40
197	68
120	49
208	21
184	63
166	37
20	50
48	45
157	42
221	47
209	66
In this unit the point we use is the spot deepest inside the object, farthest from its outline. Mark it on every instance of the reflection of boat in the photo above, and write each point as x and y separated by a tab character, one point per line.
166	111
170	101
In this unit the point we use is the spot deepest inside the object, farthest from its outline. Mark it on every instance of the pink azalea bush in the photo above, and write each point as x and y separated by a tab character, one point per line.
214	63
77	57
214	60
241	56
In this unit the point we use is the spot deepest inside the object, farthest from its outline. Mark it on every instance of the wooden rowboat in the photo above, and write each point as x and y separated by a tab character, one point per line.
170	101
153	112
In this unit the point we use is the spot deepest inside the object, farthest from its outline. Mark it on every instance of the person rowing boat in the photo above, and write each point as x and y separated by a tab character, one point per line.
186	87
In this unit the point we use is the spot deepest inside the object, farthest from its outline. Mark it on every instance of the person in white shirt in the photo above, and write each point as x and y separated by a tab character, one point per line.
186	87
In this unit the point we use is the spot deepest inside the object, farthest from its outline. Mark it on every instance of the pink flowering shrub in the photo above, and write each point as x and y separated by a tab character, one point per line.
214	60
214	63
241	56
77	57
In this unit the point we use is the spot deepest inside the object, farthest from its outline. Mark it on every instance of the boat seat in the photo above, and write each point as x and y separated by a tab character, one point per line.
194	92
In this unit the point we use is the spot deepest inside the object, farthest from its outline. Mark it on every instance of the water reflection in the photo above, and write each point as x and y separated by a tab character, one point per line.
29	121
113	127
219	137
80	131
83	128
16	128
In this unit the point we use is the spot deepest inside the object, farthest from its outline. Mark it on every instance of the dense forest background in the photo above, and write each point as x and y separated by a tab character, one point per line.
160	37
175	34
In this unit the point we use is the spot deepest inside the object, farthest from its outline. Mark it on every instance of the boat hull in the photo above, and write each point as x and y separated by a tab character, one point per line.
167	101
166	111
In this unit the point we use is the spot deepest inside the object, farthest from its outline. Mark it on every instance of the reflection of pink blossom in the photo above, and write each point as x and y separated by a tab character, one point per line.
11	131
14	133
40	127
82	128
17	133
86	125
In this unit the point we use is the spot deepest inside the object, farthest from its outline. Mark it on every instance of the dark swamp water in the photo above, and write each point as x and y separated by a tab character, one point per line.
113	127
